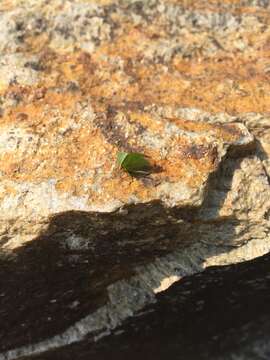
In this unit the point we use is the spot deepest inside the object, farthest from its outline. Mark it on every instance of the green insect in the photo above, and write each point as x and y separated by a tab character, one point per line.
133	163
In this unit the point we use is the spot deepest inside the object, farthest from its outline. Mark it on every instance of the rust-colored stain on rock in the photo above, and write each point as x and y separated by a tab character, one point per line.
82	80
70	143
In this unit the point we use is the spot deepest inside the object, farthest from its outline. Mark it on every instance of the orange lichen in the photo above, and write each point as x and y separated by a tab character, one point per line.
121	78
81	158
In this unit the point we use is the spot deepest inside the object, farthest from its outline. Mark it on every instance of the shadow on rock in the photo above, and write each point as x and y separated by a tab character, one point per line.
220	314
61	276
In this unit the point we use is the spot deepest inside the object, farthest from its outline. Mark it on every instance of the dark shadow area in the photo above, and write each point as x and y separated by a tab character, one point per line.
215	315
145	174
263	156
62	275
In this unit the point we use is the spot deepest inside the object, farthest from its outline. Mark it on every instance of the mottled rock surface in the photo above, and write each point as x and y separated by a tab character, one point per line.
83	244
182	324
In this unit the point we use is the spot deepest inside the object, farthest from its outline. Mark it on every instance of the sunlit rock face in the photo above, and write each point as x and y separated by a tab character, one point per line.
186	83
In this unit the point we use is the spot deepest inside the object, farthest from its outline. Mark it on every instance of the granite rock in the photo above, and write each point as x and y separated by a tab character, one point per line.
185	83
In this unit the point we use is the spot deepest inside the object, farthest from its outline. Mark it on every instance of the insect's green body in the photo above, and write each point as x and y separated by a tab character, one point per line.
133	163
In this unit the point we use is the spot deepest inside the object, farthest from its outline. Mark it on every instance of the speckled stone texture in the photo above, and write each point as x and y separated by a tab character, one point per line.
184	82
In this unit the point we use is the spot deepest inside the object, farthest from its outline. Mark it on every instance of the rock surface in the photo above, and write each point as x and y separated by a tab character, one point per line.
186	314
83	244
